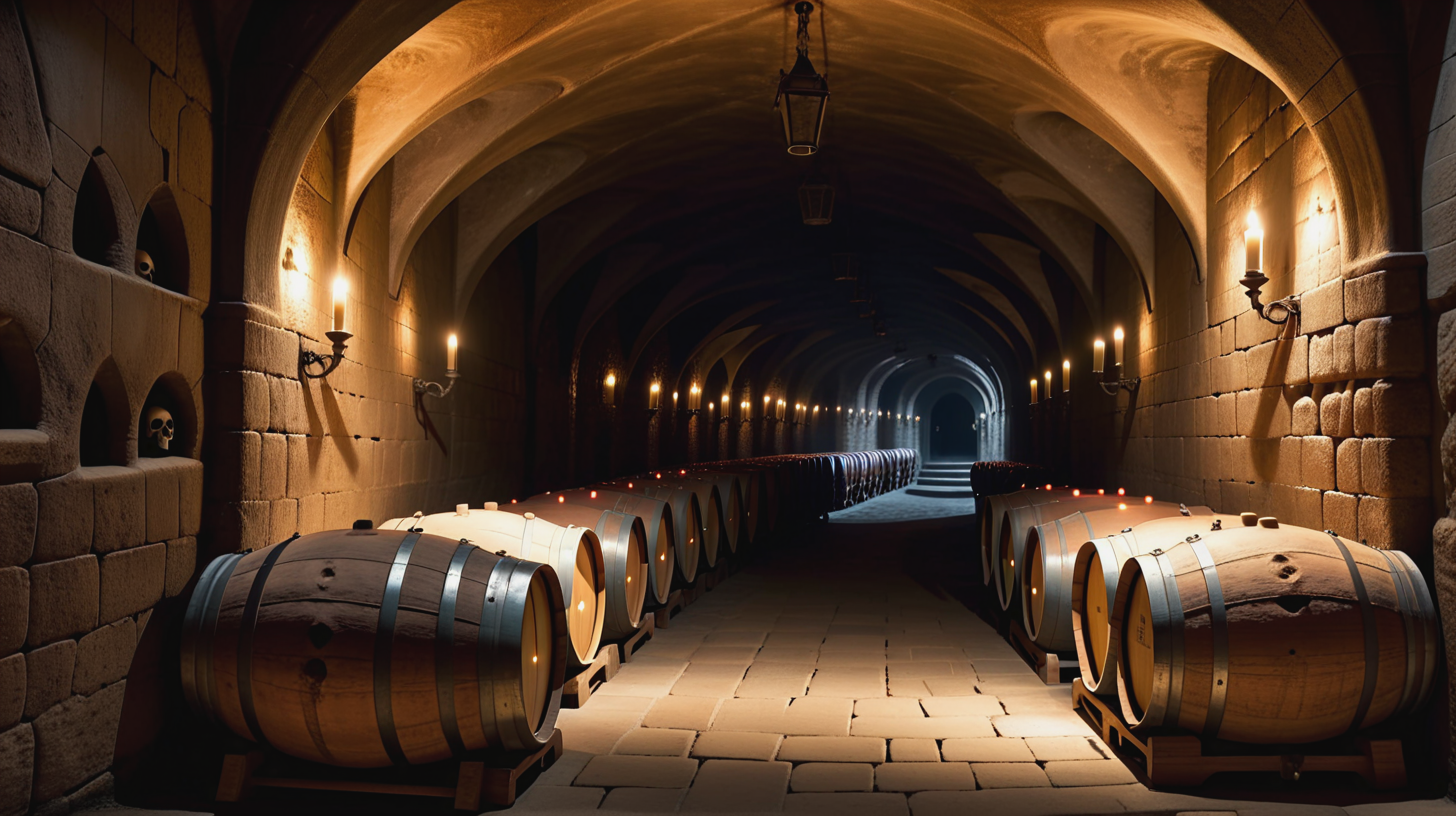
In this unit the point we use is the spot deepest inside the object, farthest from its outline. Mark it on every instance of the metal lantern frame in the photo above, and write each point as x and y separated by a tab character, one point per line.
803	95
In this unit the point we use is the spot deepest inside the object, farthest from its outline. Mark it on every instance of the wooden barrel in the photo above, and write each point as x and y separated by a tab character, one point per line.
993	516
1044	575
1094	583
657	525
1272	634
624	552
687	518
1022	513
715	529
574	552
730	493
370	648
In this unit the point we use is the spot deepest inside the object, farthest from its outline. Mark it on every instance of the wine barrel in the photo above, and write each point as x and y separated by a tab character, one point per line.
657	524
993	516
624	552
1094	583
1016	524
715	529
1272	634
574	552
370	648
1045	573
730	492
687	518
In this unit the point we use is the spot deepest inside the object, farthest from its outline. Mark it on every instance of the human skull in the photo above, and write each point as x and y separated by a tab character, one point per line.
144	265
160	427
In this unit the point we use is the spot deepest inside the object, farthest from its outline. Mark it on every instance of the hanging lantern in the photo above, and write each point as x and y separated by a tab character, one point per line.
816	202
803	94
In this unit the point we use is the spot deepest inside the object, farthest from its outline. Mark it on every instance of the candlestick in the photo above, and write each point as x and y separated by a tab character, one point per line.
654	396
609	389
1117	337
1254	243
452	349
1099	356
1066	376
1048	376
341	297
1033	390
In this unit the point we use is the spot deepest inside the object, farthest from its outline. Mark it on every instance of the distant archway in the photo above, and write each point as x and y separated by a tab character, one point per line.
953	429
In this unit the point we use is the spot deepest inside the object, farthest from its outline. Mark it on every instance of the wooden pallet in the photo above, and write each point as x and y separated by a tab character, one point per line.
628	648
662	618
477	779
1181	760
579	689
1052	668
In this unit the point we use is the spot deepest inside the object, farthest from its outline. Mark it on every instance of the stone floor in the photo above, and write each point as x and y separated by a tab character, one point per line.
835	676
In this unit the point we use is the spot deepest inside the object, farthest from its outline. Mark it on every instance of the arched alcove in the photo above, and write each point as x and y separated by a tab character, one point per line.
95	229
953	430
105	419
163	239
19	378
169	399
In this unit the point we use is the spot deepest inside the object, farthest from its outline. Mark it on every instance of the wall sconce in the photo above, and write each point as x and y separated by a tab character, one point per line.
609	390
452	351
1066	376
780	413
1254	277
1099	357
724	416
695	399
340	338
743	416
654	397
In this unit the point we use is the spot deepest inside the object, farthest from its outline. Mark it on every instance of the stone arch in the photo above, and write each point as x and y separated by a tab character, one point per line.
104	222
162	235
106	422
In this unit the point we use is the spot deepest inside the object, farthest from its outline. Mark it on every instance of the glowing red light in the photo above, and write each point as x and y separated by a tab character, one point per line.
1147	499
1121	491
1076	493
594	494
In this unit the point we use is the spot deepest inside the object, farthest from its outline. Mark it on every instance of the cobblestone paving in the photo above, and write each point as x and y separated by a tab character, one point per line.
835	677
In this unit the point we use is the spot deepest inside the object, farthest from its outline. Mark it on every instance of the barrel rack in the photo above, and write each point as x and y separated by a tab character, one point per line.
476	779
1052	668
1184	760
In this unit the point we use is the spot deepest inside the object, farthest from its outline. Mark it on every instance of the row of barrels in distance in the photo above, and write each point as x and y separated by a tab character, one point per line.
1234	627
438	634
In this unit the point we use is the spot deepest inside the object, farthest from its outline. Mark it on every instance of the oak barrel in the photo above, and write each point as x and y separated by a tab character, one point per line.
370	648
691	530
624	552
993	516
657	526
1094	583
1019	519
715	518
1272	634
574	552
1044	575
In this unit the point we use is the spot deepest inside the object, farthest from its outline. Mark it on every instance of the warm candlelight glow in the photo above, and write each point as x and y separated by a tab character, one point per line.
609	389
580	606
593	494
1033	390
1076	493
1066	376
1099	356
1122	491
1117	338
341	298
1048	375
561	500
1254	244
1048	487
452	350
1147	499
654	396
1121	506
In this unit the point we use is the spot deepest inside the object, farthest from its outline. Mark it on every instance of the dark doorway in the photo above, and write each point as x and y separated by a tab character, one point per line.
952	429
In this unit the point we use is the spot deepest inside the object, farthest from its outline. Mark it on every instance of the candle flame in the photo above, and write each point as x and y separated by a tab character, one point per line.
611	380
655	388
1253	221
452	342
534	658
1076	493
1117	333
580	606
341	287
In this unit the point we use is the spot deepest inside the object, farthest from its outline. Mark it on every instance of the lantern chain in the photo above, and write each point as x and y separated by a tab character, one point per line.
803	10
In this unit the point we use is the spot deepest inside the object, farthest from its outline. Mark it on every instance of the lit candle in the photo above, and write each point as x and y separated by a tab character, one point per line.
452	350
1254	244
1117	337
654	396
341	297
1066	376
1033	390
1048	376
1099	355
674	400
609	389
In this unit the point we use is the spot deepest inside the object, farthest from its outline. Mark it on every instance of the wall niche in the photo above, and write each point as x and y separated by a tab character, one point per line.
161	244
19	378
95	230
167	425
105	419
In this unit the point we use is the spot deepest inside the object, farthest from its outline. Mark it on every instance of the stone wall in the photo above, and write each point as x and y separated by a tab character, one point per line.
105	149
1324	422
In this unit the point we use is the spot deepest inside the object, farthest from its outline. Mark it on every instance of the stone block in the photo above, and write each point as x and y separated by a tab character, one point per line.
887	707
181	563
643	800
980	705
1227	415
852	682
739	786
12	690
17	768
1402	524
925	776
64	599
657	742
1388	292
1395	468
19	508
189	499
1394	408
155	32
104	656
237	453
1322	368
991	775
57	208
74	741
833	776
1317	462
1337	414
69	45
1089	773
1340	514
698	680
194	144
1304	417
167	102
558	799
1322	307
120	517
273	467
1446	360
132	581
914	750
1389	347
65	509
1049	749
163	496
832	749
1296	360
285	406
239	400
1344	360
126	128
738	745
48	674
924	728
20	207
1064	724
25	152
1348	461
619	770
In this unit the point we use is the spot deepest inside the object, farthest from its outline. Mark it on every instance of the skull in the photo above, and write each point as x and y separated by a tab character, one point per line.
160	427
144	265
